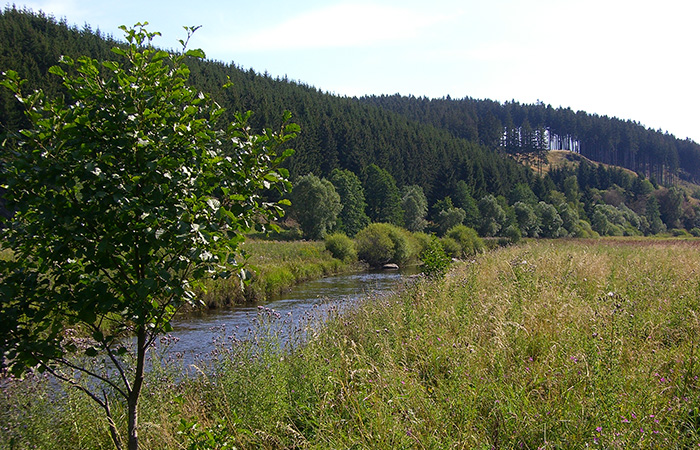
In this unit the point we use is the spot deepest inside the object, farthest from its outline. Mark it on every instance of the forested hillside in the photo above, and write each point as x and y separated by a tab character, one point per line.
455	151
521	128
336	132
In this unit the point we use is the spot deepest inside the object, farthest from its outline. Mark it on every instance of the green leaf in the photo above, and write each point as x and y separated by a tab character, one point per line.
196	53
56	70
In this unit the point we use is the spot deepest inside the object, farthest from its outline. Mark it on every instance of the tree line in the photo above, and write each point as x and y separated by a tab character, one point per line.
587	201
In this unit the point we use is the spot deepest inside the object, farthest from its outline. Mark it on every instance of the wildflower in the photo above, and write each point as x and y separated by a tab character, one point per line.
599	429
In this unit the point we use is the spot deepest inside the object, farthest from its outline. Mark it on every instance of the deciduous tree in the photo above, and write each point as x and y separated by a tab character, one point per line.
126	195
315	205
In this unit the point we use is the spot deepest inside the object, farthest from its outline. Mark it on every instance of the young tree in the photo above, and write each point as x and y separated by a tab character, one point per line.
315	205
464	200
126	196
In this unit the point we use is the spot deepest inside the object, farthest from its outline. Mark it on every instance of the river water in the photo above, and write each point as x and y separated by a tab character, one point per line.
199	335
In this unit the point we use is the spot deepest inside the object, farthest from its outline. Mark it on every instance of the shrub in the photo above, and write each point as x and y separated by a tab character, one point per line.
512	233
695	232
468	240
451	247
420	241
341	247
404	249
374	246
435	260
382	243
679	232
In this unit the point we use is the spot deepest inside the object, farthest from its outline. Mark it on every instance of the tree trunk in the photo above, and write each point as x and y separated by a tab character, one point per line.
133	401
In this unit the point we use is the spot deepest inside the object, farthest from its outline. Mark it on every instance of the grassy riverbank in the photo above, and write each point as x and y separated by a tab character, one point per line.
551	344
274	266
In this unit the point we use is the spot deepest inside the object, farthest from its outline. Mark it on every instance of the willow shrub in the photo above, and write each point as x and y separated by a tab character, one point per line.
383	243
468	239
341	247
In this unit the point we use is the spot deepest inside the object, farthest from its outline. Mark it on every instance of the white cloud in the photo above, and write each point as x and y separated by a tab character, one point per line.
341	25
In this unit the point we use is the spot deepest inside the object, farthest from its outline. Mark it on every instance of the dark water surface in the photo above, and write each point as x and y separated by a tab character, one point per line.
197	335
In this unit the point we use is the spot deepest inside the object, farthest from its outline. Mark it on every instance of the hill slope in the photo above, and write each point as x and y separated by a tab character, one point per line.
516	127
337	132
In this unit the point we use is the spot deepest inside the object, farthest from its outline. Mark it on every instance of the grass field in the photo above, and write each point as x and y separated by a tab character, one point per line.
550	344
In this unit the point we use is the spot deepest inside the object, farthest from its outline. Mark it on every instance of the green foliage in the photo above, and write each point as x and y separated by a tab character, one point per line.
374	246
670	202
522	193
469	241
679	232
352	217
415	208
451	247
462	197
383	197
315	205
382	243
420	241
569	218
217	437
526	219
492	216
435	261
341	247
126	195
512	234
449	218
550	221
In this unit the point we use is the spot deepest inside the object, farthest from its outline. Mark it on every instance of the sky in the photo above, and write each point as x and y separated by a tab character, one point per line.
632	59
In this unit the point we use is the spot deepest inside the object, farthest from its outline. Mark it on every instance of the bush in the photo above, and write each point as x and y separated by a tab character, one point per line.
695	232
513	234
451	247
341	247
420	241
435	261
468	240
374	246
679	232
382	243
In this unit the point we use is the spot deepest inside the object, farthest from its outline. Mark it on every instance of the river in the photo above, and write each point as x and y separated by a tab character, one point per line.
198	336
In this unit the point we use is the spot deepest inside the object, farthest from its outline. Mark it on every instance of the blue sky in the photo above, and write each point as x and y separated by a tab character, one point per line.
633	59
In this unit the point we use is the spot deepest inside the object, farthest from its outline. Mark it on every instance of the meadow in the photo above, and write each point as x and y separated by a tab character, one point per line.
544	345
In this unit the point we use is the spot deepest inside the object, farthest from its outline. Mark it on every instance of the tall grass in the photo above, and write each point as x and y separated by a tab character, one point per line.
551	344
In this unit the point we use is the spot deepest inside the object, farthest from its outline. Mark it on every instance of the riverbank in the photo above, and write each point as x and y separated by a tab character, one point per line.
273	267
551	344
